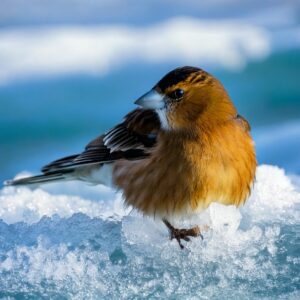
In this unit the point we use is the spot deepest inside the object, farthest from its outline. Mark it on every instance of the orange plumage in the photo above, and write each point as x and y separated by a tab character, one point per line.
206	155
185	148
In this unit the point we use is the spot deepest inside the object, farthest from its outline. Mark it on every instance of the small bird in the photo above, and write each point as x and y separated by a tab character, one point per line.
183	148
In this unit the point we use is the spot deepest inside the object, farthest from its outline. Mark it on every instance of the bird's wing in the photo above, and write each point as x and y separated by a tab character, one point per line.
130	139
138	131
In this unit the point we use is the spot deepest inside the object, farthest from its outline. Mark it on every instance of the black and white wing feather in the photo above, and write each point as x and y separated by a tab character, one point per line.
131	139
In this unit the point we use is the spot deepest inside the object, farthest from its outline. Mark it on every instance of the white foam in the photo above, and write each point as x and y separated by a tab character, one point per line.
89	246
99	49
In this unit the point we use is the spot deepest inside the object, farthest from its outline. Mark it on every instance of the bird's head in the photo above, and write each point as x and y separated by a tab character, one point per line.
188	96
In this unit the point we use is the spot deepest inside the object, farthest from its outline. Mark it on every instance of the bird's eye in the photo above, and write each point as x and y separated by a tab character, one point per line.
176	95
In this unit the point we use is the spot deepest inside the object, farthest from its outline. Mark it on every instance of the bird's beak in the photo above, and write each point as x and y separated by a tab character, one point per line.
151	100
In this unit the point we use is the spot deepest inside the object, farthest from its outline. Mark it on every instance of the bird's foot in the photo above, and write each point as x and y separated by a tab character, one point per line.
182	234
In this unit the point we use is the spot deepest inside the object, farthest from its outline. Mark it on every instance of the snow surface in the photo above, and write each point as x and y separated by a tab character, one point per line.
76	241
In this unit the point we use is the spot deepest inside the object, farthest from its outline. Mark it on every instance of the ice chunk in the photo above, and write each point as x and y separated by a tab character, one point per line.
75	241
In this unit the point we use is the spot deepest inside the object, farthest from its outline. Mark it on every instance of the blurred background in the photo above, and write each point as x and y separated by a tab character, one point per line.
70	69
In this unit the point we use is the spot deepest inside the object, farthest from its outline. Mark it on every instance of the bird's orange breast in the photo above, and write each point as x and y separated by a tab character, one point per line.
185	174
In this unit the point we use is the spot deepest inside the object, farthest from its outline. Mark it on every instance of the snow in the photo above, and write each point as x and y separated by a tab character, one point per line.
76	241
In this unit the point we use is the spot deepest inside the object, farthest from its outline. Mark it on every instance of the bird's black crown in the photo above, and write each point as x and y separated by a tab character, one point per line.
175	76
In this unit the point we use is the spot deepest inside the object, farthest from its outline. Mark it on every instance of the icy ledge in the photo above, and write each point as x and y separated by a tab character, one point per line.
75	241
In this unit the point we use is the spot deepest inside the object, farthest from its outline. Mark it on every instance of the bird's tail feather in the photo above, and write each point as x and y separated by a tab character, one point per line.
39	179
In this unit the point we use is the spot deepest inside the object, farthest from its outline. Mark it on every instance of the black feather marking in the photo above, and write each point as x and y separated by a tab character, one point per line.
113	132
116	138
122	141
201	77
176	76
58	163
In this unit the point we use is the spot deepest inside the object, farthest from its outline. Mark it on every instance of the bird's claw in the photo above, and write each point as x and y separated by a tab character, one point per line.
183	234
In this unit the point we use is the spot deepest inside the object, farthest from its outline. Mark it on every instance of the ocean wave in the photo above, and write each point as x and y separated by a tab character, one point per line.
99	49
63	242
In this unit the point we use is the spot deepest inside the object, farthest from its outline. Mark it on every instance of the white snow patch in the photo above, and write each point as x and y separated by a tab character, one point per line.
63	199
88	246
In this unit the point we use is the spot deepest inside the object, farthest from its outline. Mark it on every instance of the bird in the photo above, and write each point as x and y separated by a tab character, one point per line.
184	147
